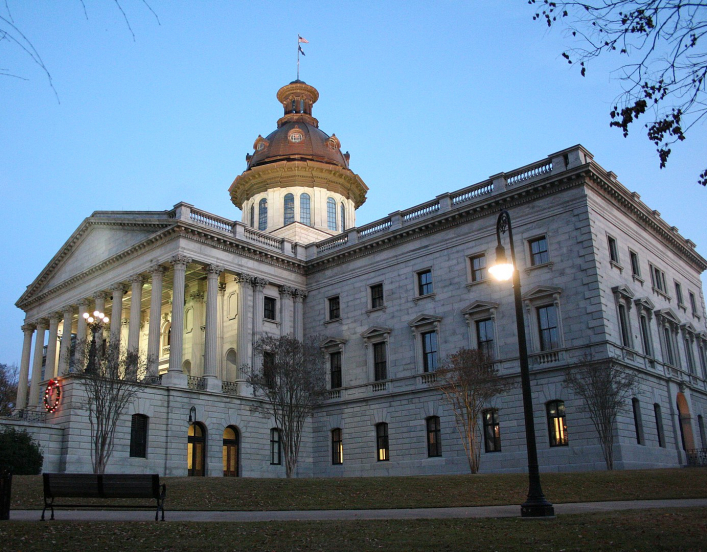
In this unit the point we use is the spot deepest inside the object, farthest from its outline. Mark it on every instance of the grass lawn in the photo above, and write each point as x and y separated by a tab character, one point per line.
681	529
218	493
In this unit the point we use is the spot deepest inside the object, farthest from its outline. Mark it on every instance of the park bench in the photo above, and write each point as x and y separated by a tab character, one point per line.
106	486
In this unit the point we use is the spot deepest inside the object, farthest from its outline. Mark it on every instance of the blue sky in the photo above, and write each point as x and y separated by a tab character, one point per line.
428	97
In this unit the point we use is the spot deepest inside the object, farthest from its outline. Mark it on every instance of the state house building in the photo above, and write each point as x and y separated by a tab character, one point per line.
603	276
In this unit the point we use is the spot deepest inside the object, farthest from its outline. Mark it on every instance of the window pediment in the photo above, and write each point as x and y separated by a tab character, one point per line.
334	343
423	320
542	292
645	303
668	315
478	307
623	291
689	328
376	331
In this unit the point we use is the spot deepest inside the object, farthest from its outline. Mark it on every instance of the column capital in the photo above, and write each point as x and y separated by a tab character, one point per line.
100	295
28	328
287	291
42	324
243	278
299	295
197	296
157	268
68	310
180	261
222	287
260	283
83	303
55	317
213	269
119	286
137	279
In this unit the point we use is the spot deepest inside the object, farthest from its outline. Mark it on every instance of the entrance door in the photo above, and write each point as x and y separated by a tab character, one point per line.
196	450
230	452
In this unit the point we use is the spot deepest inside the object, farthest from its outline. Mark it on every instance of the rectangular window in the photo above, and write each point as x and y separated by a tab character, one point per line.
424	282
538	251
334	308
484	337
658	279
380	362
269	304
623	326
269	369
492	430
275	449
557	423
689	356
645	336
383	453
613	250
693	303
669	347
659	425
678	294
637	424
478	268
434	444
138	436
337	447
376	296
547	324
635	266
335	369
429	351
703	361
701	426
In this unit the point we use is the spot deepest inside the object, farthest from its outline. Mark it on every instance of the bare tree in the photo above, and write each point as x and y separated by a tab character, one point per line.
469	381
110	381
664	59
605	387
8	388
292	382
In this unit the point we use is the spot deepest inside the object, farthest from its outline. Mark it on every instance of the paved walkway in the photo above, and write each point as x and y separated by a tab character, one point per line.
326	515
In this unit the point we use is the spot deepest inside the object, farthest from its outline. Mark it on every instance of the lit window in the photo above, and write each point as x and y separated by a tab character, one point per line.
335	369
337	447
138	436
613	251
269	304
484	337
380	362
383	453
275	449
289	209
230	452
538	251
635	266
343	218
637	423
659	425
424	282
547	323
434	443
331	213
429	351
478	268
557	423
334	308
305	216
377	296
492	430
263	214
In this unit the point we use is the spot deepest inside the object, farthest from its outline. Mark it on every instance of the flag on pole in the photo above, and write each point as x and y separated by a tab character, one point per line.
302	40
301	50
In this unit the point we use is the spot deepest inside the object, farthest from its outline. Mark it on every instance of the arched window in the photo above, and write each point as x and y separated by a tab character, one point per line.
305	216
230	452
382	450
252	215
331	213
263	214
231	366
337	447
289	209
196	450
343	218
186	367
138	436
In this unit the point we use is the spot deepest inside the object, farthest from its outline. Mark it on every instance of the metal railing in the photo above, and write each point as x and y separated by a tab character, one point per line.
696	457
230	387
27	415
196	383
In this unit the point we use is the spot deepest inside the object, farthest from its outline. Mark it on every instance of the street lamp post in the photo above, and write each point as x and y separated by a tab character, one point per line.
95	323
536	505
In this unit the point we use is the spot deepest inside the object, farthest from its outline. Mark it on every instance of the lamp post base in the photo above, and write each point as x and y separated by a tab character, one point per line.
537	509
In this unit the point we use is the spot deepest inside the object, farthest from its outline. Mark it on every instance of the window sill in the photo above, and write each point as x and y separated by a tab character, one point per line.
662	294
472	284
637	278
332	321
682	307
549	265
421	297
377	309
616	266
271	321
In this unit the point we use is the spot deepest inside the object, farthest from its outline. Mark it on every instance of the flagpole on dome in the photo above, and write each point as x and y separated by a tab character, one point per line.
300	40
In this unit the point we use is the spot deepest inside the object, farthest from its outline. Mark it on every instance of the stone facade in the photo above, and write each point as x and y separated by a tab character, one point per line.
602	275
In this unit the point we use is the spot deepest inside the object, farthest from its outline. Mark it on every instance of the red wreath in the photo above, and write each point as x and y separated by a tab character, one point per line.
52	386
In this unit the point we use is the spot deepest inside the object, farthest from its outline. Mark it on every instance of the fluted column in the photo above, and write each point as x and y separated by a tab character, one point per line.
37	362
136	284
117	313
21	400
175	377
50	363
244	325
65	351
100	305
286	310
219	329
213	383
80	350
153	336
298	318
258	312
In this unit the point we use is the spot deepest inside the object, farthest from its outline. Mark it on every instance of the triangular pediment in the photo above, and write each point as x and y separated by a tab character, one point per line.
375	331
99	237
541	291
689	328
623	291
645	303
668	314
479	306
423	319
333	342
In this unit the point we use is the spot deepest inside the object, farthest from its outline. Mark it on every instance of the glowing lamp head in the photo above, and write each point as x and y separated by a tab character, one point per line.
97	314
106	320
86	315
503	268
90	320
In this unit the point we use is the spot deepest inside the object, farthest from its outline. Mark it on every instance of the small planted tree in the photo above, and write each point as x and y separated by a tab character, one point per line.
110	381
605	388
469	381
19	452
291	382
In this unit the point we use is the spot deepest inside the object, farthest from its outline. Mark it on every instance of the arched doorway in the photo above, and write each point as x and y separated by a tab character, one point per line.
196	449
230	452
685	421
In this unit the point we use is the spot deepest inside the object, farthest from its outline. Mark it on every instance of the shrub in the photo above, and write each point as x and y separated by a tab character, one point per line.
20	452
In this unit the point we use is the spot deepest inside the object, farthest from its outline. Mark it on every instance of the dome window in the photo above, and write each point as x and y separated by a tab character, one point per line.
296	135
260	143
333	142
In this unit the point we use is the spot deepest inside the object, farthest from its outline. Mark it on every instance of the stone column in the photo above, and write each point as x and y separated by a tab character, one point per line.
175	377
244	326
21	400
65	351
213	383
153	337
286	310
219	328
258	308
42	325
81	335
136	284
117	313
197	300
100	305
50	363
298	318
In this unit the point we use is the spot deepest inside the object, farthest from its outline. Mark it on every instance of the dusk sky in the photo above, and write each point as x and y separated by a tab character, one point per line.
428	97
